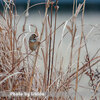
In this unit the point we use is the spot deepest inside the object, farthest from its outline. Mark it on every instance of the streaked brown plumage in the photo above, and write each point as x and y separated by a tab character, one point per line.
33	42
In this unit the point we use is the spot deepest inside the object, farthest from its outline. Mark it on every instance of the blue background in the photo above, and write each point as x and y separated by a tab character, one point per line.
60	1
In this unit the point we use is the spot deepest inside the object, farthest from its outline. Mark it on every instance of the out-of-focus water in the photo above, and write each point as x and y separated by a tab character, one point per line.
91	27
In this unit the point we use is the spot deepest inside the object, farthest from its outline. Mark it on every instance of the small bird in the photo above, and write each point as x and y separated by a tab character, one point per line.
33	42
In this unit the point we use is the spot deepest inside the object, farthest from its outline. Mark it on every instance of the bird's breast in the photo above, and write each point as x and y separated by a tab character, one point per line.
33	45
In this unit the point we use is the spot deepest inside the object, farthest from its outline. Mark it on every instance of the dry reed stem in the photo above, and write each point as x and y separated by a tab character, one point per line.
82	69
32	75
45	71
50	40
46	48
56	9
26	15
79	51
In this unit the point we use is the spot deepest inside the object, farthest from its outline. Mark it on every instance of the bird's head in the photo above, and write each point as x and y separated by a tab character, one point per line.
33	38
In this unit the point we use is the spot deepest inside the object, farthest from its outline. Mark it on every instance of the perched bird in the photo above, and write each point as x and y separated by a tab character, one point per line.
33	42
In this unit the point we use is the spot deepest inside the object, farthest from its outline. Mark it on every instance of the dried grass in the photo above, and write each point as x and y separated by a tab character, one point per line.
19	71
